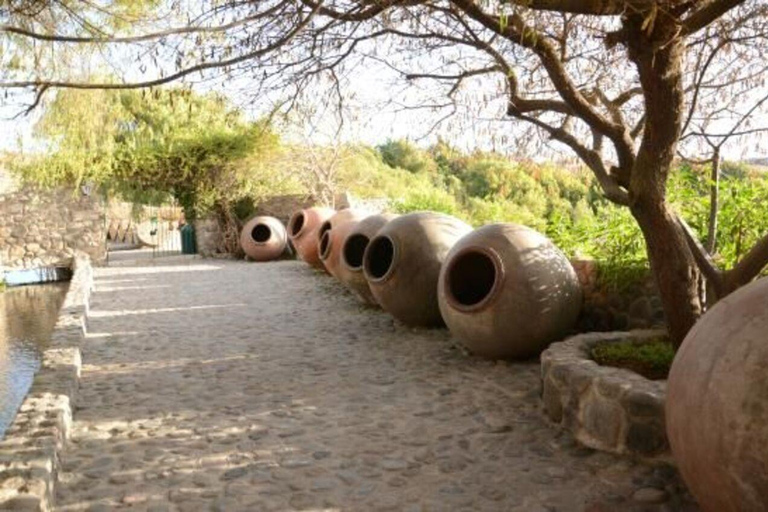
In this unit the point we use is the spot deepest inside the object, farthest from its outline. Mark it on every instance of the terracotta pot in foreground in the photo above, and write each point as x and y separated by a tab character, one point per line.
350	271
402	264
717	404
263	238
506	291
303	229
331	237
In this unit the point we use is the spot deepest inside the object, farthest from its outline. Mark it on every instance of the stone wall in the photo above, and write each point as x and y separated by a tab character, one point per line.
608	409
46	227
610	306
30	461
373	205
282	207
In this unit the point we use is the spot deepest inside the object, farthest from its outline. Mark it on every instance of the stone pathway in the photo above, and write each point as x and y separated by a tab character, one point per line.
235	386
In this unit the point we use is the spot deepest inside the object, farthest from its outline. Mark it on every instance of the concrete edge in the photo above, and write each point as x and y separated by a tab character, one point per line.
30	452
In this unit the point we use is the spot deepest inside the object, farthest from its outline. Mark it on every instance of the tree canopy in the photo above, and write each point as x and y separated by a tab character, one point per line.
193	147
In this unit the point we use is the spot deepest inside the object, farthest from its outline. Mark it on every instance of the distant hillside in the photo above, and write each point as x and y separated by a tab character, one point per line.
761	164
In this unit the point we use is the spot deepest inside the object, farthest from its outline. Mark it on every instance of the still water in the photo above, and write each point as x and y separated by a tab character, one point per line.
27	317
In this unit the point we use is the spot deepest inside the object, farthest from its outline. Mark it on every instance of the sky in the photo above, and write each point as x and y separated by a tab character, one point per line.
371	116
370	119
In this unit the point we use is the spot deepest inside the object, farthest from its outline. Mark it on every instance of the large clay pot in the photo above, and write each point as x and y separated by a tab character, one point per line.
303	229
350	271
263	238
402	264
506	291
331	237
717	404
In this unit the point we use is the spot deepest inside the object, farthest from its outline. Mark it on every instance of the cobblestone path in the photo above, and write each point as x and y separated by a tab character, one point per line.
260	387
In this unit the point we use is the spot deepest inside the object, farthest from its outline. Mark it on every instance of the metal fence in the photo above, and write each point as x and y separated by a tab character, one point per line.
150	231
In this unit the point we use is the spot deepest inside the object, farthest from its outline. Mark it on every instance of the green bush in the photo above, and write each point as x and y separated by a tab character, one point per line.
652	358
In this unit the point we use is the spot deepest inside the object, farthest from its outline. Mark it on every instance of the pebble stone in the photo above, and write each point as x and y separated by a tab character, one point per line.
650	495
225	385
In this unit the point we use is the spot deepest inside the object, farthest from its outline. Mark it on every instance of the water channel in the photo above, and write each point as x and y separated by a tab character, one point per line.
27	317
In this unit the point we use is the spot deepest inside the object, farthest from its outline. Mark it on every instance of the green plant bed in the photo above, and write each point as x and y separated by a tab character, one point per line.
650	358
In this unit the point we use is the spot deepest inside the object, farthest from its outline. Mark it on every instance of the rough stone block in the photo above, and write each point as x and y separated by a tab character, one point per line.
647	439
606	408
602	420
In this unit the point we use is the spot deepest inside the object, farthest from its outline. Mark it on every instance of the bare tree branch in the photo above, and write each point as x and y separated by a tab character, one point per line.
152	36
707	14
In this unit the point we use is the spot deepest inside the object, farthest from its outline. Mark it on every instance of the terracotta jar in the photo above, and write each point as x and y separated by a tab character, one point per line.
331	237
506	291
303	229
263	238
350	271
402	264
717	404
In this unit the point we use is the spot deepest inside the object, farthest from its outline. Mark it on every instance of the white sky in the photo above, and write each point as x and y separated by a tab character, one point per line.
371	118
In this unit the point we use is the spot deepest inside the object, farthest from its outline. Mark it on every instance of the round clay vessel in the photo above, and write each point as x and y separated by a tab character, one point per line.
402	264
263	238
507	292
717	404
303	229
350	271
331	237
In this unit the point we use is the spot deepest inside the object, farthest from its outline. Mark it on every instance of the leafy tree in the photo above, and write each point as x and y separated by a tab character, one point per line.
146	144
405	155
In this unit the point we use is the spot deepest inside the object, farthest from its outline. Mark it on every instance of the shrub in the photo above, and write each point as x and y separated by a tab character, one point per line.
651	358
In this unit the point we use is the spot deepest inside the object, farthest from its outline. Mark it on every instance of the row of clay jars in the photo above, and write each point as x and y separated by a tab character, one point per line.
331	238
504	290
350	271
263	238
303	230
402	263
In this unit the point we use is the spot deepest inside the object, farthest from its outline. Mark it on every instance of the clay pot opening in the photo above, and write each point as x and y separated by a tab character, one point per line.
354	249
261	233
324	228
297	224
472	279
379	259
325	245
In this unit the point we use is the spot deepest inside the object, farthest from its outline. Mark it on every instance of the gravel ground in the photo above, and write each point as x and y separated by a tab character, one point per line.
214	385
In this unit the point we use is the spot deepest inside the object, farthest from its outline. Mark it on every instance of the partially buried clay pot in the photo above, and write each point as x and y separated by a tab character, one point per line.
350	271
303	229
717	404
263	238
331	237
402	264
506	291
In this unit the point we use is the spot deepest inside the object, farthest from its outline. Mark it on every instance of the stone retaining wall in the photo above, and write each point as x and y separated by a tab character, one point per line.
282	207
29	454
609	409
41	228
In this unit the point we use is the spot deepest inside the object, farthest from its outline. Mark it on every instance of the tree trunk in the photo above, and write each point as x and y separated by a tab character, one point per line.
714	208
673	266
657	52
